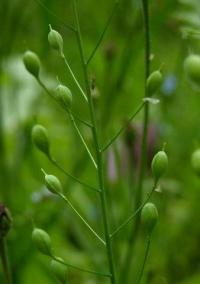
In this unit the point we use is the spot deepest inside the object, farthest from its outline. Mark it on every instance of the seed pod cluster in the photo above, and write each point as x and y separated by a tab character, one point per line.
53	184
55	40
159	165
32	63
59	270
195	161
42	241
64	96
154	82
192	68
149	216
40	138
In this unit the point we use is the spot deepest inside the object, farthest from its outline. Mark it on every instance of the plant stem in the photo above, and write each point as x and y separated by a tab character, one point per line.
145	259
99	155
5	262
143	153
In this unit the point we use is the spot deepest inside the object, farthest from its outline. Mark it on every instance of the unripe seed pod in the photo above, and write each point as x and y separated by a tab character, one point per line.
195	161
40	138
42	241
154	82
159	164
149	216
55	40
59	270
192	68
32	63
64	96
53	184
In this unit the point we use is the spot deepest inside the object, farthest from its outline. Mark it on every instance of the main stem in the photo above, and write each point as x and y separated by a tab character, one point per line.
5	262
143	153
99	155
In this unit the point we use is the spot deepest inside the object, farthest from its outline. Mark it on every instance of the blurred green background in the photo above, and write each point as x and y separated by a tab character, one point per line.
118	72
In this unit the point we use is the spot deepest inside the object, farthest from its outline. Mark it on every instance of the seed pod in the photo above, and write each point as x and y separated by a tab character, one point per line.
42	241
55	40
32	63
53	184
195	161
154	82
64	96
149	216
40	138
59	270
159	164
192	68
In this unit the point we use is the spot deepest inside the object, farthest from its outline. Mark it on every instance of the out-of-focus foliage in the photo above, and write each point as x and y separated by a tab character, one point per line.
118	72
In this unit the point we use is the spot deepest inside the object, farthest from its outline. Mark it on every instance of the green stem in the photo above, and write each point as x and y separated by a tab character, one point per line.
145	259
5	261
143	154
79	268
81	217
98	152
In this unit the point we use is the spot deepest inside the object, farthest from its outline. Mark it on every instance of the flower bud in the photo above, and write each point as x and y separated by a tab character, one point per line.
42	241
159	164
53	184
192	68
55	40
40	138
5	221
64	96
149	216
195	161
59	270
154	82
32	63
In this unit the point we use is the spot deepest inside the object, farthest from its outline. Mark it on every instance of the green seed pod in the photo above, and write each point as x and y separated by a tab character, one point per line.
159	164
55	40
149	216
53	184
59	270
32	63
42	241
64	96
195	161
192	68
154	82
40	138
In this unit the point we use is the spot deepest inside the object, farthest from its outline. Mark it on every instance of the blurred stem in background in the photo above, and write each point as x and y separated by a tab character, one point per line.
126	268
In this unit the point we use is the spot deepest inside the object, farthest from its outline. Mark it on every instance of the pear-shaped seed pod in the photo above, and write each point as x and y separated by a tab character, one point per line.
149	216
42	241
154	82
55	40
59	270
32	63
192	68
53	184
40	138
195	161
64	96
159	164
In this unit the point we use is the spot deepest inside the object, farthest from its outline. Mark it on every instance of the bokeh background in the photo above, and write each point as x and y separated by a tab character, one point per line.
117	71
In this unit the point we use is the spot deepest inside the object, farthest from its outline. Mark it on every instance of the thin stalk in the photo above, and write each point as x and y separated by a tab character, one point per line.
145	258
98	152
81	217
74	77
82	139
71	176
123	128
143	154
103	32
79	268
5	261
